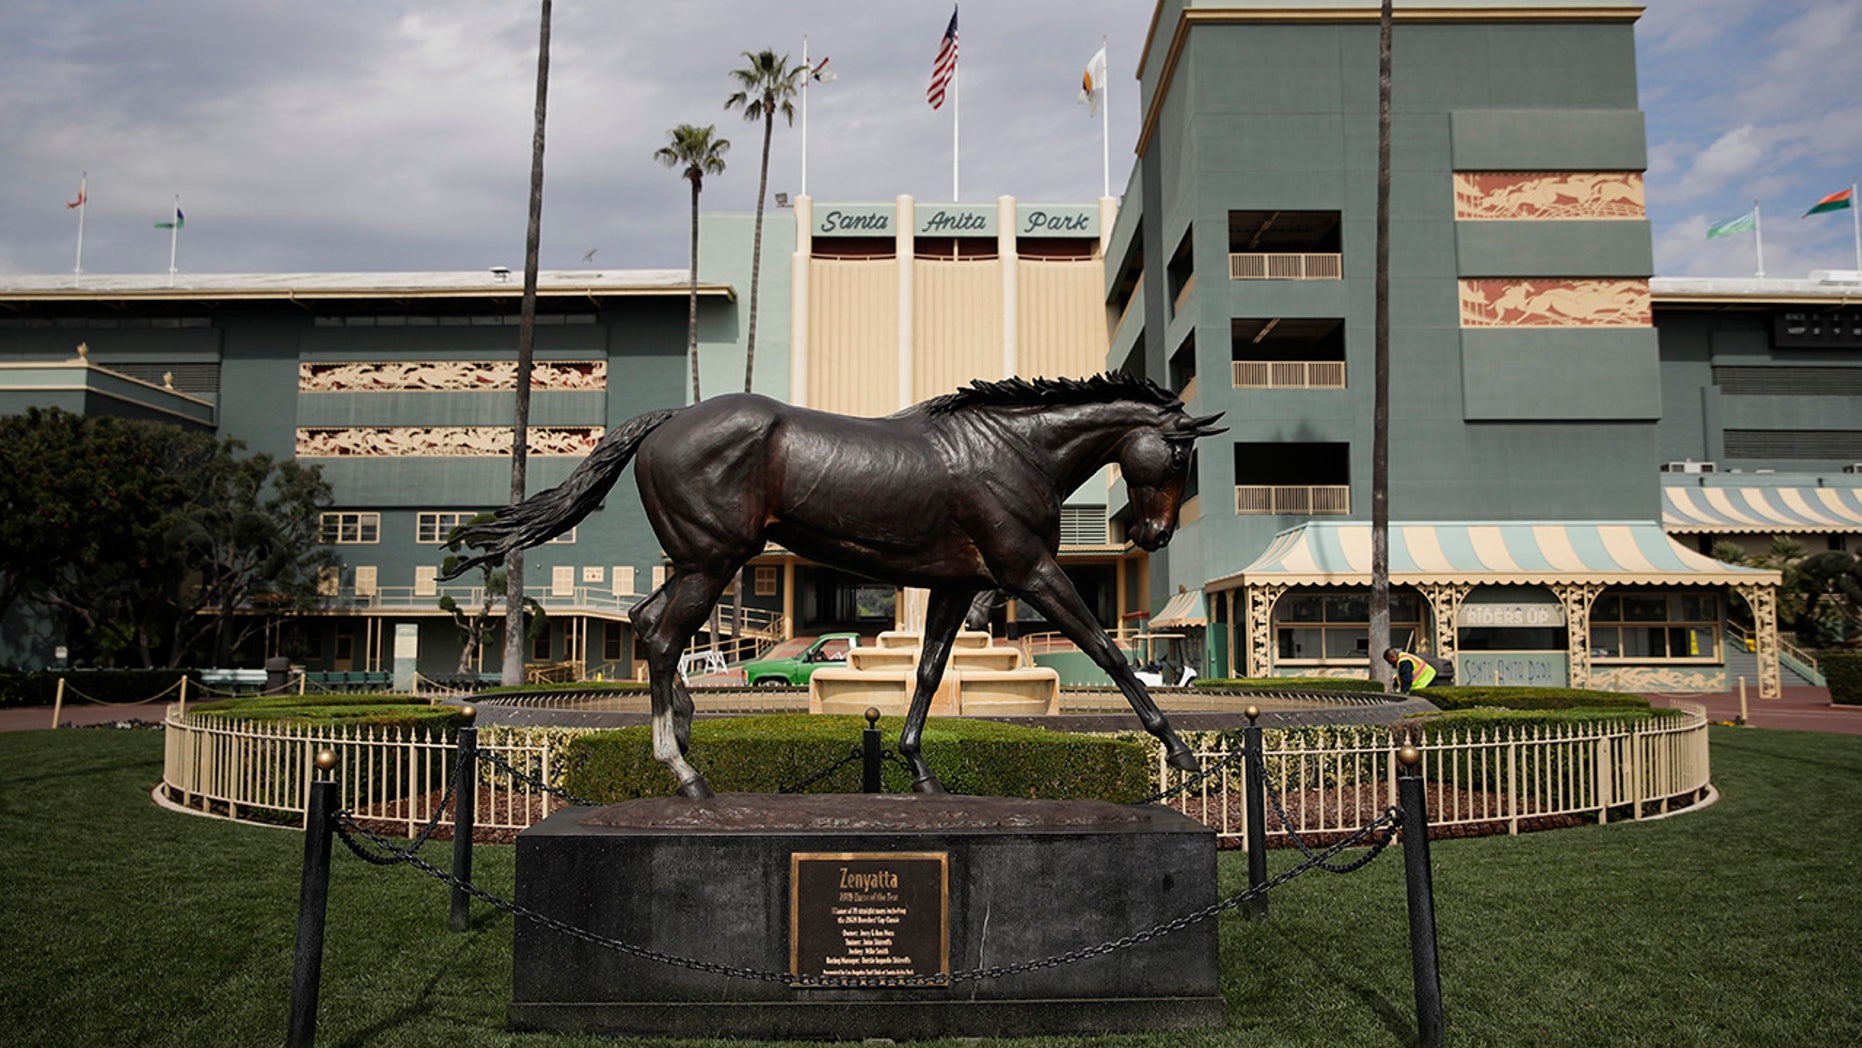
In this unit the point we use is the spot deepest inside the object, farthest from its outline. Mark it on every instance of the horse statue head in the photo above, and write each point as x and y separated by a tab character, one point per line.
1154	462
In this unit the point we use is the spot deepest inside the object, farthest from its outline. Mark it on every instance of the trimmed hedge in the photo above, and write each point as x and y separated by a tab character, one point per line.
115	686
765	754
1478	696
1842	671
393	711
1354	684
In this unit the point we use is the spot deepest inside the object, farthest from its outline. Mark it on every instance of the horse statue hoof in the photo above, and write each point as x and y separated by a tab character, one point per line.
927	784
695	789
1182	759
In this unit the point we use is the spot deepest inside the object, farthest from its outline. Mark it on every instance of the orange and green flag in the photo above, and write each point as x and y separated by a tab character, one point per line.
1834	202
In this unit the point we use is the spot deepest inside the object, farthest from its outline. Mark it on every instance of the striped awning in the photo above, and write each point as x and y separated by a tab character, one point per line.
1609	552
1766	510
1182	611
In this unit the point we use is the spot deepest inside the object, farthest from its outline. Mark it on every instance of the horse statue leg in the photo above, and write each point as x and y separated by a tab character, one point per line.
1049	590
665	622
944	614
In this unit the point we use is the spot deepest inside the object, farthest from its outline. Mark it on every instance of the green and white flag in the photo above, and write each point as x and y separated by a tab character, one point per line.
1727	227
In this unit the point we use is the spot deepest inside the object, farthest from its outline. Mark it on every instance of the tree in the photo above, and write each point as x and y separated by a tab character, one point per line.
146	537
1380	370
476	626
1819	594
697	152
766	87
249	534
513	668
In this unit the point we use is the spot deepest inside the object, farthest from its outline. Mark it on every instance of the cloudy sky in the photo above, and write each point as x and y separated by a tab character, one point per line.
362	135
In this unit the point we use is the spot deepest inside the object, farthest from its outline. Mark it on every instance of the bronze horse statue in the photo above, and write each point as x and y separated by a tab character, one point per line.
960	494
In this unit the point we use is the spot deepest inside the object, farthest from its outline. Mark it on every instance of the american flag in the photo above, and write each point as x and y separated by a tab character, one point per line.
946	65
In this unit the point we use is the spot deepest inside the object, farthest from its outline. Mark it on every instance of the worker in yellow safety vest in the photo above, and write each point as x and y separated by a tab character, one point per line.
1418	671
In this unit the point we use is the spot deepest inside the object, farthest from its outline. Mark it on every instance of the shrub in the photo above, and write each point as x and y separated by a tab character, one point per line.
766	754
1473	696
1843	672
391	711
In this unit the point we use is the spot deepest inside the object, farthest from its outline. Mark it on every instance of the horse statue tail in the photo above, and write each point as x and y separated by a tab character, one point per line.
547	514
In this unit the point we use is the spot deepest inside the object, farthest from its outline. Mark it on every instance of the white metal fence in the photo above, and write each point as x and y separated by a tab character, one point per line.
1331	780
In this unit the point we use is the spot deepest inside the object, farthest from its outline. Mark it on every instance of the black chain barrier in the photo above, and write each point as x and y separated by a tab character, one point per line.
391	855
492	758
1377	845
433	822
1170	791
797	787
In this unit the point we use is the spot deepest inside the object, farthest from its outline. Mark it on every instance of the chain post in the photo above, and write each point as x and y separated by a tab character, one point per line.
312	902
465	812
1416	875
1254	779
870	753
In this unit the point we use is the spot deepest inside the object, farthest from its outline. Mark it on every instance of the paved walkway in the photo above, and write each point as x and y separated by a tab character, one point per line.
1800	709
80	715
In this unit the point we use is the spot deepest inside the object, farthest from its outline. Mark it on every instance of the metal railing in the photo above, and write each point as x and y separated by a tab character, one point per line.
261	771
1334	779
1308	500
1801	662
1330	780
1254	265
1288	374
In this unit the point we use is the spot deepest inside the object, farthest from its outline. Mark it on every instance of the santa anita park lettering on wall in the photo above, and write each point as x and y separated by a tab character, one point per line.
956	220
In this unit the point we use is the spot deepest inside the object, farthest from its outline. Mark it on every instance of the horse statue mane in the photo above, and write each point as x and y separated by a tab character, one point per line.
1050	392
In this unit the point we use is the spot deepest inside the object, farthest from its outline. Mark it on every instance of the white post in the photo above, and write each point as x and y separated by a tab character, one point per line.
1758	238
956	114
1105	126
807	75
78	271
1855	219
174	239
58	702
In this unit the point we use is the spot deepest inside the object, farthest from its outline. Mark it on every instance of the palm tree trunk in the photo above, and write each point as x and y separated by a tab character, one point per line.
1380	336
756	247
512	671
691	321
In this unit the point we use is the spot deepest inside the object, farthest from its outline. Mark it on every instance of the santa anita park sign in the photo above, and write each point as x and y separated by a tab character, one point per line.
955	220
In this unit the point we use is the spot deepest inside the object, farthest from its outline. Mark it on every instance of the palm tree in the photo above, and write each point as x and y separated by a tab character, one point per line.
513	668
769	85
1380	380
700	152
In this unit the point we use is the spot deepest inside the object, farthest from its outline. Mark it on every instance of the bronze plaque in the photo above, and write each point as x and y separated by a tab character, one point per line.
869	915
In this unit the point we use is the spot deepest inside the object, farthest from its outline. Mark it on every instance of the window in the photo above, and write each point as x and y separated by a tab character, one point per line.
433	528
1335	628
426	580
540	646
613	641
1641	624
765	581
366	576
351	528
623	576
567	538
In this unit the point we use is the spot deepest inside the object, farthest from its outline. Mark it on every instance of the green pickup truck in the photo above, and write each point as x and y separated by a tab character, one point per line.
792	662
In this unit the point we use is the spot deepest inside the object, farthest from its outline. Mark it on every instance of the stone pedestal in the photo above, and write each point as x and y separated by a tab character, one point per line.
743	880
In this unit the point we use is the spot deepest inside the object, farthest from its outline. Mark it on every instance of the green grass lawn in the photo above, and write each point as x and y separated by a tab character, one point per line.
1740	925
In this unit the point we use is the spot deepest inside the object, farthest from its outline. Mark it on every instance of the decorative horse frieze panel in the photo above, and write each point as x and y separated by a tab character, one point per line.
1549	195
441	441
1555	302
446	376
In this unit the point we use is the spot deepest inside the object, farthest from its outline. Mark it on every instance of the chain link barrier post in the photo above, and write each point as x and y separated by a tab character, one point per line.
1254	780
1416	875
313	900
871	753
465	812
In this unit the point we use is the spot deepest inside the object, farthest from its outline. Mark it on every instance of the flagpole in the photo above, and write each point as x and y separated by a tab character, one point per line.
1758	238
174	238
1855	218
806	77
78	271
1105	126
956	112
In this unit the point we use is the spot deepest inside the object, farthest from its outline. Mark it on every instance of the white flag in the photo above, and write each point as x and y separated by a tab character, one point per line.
1093	84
